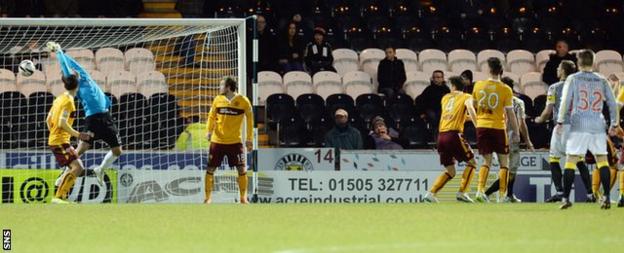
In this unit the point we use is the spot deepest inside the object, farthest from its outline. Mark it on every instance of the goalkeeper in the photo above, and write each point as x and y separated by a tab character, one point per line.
98	119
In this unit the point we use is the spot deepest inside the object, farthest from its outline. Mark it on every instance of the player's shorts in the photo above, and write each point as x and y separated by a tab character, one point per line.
452	146
103	128
611	155
558	142
579	143
514	157
234	153
64	154
491	140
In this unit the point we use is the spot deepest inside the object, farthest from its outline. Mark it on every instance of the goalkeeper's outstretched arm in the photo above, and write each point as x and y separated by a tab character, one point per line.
67	63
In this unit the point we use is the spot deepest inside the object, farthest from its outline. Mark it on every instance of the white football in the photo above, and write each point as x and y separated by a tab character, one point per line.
27	68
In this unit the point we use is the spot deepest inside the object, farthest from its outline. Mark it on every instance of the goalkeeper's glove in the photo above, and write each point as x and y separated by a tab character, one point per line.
53	46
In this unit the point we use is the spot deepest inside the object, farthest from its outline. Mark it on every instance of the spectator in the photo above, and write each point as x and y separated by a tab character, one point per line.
391	74
193	137
291	50
318	54
428	103
266	40
615	84
468	81
383	137
550	70
61	8
343	136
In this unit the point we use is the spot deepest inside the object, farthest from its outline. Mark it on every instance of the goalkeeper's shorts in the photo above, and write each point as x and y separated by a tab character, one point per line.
103	128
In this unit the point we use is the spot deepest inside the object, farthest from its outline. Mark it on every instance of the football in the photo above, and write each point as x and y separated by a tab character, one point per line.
27	68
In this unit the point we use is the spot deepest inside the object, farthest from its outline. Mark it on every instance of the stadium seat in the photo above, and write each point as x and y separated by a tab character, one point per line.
7	77
609	62
32	84
109	59
297	83
461	59
415	83
132	119
317	132
151	82
49	65
409	58
369	60
369	106
400	107
53	78
514	77
121	82
520	61
311	108
414	132
269	82
532	85
345	60
432	59
357	83
12	117
292	133
279	107
480	76
85	57
337	101
139	60
100	79
542	57
39	104
327	83
539	103
484	55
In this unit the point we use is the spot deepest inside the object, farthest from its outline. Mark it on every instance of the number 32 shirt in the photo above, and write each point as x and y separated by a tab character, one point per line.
491	98
584	94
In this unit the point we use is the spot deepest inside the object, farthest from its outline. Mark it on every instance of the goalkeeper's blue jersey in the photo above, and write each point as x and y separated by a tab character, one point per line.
91	97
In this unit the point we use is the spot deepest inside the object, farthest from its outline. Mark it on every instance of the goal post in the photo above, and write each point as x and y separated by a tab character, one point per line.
160	74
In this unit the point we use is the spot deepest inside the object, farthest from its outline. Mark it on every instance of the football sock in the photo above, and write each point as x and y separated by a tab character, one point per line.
483	175
209	183
585	176
440	182
109	159
66	185
242	185
503	175
493	188
557	177
605	179
510	185
596	180
464	186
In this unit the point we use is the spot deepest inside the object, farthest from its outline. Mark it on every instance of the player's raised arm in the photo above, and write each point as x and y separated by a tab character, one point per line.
60	57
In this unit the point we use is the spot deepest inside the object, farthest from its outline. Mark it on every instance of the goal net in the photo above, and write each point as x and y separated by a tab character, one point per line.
161	76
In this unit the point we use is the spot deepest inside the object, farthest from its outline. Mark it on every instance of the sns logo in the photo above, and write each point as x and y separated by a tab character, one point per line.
6	239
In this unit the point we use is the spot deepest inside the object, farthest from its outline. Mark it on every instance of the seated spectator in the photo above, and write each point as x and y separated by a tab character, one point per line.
391	74
428	103
291	50
383	137
193	137
343	136
466	77
550	70
318	54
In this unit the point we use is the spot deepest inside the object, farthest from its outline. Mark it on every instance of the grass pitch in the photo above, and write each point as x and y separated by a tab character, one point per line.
300	228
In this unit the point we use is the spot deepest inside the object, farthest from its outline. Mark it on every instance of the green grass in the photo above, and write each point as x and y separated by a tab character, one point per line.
447	227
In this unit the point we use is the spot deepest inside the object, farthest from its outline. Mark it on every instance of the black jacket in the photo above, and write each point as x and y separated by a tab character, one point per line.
391	74
319	57
286	51
430	98
550	70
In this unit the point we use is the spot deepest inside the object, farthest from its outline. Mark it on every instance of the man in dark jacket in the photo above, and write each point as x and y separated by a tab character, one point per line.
318	54
382	137
390	74
550	70
428	103
343	136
